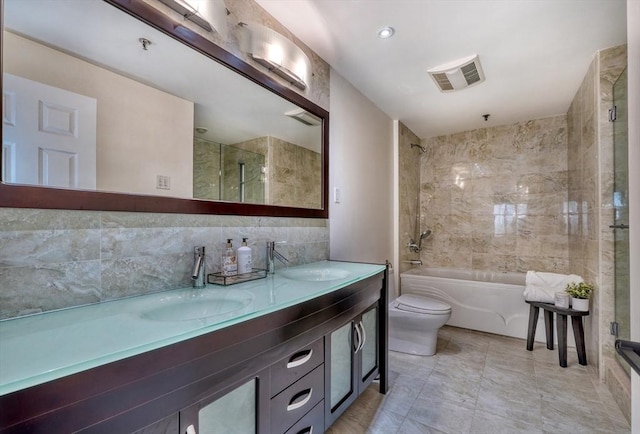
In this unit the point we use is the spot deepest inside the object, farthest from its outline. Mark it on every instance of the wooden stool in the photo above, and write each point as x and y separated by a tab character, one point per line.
576	323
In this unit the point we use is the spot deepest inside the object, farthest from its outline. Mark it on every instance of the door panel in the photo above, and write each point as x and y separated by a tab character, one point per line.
49	134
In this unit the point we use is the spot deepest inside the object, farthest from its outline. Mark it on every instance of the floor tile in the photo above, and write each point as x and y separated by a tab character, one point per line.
446	416
483	383
487	423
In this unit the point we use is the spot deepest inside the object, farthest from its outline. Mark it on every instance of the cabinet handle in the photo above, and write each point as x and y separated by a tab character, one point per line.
364	335
358	339
296	405
300	358
191	430
307	430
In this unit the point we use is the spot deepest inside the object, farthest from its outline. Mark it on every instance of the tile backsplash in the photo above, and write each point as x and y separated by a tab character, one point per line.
51	259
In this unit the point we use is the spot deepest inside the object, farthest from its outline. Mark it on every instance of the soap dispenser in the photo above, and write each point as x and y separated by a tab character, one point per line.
229	263
244	258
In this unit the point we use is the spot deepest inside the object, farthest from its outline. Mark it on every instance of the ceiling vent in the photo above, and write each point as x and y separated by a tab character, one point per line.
305	117
458	75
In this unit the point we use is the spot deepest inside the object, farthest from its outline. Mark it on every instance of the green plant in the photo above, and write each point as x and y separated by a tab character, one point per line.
580	290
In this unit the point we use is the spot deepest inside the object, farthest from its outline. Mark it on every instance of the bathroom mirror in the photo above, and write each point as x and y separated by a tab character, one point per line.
125	109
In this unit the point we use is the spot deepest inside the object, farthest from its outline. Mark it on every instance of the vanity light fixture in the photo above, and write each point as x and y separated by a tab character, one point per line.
276	53
211	15
386	32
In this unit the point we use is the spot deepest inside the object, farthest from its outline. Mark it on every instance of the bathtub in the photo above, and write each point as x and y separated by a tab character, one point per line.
486	301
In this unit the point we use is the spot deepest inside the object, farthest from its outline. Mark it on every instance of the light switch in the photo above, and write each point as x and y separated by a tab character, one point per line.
336	195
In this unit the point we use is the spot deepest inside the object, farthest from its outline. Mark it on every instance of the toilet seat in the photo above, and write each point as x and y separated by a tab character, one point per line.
420	304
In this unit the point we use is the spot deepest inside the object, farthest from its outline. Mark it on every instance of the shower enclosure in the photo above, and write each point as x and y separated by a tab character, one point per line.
225	172
620	224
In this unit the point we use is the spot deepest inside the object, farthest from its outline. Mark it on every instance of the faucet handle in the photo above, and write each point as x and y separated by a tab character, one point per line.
198	250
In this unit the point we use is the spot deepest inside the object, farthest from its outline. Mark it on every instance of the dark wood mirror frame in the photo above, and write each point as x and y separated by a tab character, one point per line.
21	196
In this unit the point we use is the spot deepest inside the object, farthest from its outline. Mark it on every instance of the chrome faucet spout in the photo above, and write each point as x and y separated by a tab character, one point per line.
198	273
272	254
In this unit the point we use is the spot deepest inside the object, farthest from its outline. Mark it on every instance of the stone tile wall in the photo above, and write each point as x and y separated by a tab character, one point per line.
591	242
55	259
496	198
409	180
295	175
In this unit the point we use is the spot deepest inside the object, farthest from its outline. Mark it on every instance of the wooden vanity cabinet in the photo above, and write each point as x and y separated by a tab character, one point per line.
352	361
270	371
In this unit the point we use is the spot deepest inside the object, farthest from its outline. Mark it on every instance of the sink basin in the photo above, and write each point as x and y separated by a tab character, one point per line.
198	305
315	274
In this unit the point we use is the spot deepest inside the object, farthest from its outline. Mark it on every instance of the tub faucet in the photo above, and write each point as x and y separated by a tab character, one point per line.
198	273
272	253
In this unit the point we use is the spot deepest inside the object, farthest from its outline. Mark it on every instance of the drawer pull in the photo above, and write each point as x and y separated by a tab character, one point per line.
300	358
293	405
307	430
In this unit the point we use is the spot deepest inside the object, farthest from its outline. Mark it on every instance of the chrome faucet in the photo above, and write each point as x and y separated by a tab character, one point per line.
198	273
273	253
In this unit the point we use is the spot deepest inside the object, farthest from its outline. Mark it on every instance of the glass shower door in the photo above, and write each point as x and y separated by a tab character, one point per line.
621	210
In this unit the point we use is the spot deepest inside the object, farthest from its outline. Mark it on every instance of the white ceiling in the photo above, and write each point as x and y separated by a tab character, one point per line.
534	53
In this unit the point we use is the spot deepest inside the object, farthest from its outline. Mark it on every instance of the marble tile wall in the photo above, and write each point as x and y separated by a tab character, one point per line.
496	198
409	180
206	167
53	259
294	175
591	243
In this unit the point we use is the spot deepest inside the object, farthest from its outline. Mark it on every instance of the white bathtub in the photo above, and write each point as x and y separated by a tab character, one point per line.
480	300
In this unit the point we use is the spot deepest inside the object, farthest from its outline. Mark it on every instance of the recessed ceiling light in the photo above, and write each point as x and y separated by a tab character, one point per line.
386	32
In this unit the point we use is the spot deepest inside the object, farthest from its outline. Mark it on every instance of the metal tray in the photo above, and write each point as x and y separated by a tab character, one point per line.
220	279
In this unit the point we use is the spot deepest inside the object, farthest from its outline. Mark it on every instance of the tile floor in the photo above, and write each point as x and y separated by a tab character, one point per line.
483	383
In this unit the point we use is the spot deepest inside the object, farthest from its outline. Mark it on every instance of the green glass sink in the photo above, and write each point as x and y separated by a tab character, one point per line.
315	274
198	305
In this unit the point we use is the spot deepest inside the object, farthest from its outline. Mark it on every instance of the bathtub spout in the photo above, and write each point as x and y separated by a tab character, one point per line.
413	262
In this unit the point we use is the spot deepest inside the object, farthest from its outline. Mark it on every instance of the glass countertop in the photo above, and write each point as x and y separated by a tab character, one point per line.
39	348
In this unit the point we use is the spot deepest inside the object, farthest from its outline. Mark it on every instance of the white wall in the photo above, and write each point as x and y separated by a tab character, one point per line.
361	166
141	131
633	39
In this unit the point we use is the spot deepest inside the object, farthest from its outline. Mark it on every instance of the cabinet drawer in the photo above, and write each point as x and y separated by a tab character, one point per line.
291	368
295	401
311	423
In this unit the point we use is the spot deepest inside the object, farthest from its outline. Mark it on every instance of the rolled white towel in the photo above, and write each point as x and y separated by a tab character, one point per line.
541	286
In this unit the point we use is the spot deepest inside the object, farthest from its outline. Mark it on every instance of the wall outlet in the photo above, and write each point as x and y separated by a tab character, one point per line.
163	182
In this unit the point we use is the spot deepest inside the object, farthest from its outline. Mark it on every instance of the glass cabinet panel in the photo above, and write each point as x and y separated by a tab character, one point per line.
341	364
369	350
234	413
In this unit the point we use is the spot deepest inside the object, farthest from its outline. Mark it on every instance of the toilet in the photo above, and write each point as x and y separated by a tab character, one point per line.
414	321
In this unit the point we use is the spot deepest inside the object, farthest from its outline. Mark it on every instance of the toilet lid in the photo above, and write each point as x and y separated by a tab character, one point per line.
420	304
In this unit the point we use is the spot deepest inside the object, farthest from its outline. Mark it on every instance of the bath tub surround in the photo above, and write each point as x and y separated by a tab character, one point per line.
480	300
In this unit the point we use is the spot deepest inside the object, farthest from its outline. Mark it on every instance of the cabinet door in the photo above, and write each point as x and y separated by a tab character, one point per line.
235	410
340	371
369	351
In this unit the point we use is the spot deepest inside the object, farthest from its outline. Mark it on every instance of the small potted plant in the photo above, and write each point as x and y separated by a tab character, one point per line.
580	294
